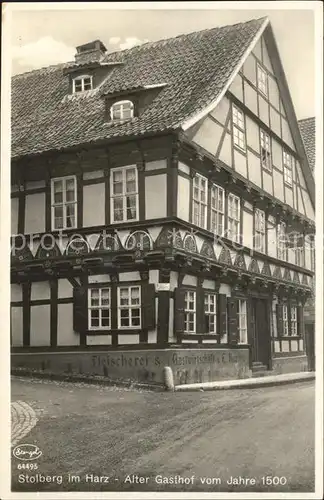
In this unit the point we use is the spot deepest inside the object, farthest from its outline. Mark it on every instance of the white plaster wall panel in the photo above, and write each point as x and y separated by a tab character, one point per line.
274	93
237	88
285	345
16	326
289	196
277	346
307	258
233	255
276	154
247	259
128	339
267	182
99	278
294	345
209	341
16	293
266	58
151	337
254	169
153	276
272	242
171	336
263	110
252	134
62	243
189	280
278	185
308	206
99	340
300	201
199	242
257	50
286	135
35	185
173	280
221	111
155	165
92	240
301	344
249	69
14	215
300	177
95	174
183	198
131	276
35	213
247	229
209	284
217	249
225	154
65	333
208	135
275	122
225	289
274	319
240	163
154	232
155	196
33	245
250	98
40	325
123	235
65	289
282	108
182	232
224	339
40	290
272	267
184	168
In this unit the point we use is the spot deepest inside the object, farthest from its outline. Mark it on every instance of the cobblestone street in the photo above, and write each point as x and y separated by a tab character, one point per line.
23	419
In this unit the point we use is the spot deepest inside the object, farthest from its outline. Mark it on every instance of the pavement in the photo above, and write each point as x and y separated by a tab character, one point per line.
139	440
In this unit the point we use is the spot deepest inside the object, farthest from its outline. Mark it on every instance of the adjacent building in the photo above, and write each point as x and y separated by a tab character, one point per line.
161	198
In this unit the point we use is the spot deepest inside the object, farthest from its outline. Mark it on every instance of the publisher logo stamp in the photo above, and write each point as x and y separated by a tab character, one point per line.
27	452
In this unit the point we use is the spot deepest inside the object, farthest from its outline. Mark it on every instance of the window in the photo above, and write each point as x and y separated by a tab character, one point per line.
200	187
238	128
259	239
233	218
190	312
129	307
285	319
124	194
82	83
210	312
99	314
312	254
288	166
122	110
281	241
64	203
293	320
217	210
262	80
298	249
242	322
265	150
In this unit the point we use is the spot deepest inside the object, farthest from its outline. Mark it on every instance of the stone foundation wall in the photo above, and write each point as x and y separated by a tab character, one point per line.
289	364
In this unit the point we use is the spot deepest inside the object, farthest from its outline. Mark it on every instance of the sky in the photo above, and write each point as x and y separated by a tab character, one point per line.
43	37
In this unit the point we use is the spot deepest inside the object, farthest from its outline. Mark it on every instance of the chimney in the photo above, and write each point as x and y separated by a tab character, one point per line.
90	52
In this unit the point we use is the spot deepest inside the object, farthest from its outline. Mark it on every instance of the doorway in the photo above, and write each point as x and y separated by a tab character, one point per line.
260	332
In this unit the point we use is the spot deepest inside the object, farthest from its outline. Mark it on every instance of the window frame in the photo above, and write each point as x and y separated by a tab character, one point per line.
285	320
287	168
129	307
82	78
124	194
100	307
265	140
208	313
293	321
64	203
121	103
230	219
264	88
238	126
282	248
201	204
258	230
216	213
242	339
188	311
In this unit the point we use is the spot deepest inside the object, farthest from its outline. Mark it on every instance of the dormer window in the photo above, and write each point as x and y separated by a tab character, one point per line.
82	83
122	110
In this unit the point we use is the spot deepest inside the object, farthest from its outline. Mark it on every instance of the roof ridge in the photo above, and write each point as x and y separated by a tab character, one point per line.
50	67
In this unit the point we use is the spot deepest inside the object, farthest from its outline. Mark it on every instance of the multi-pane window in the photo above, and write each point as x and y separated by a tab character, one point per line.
200	194
210	313
262	80
242	322
129	307
287	166
238	128
265	150
285	321
82	83
124	194
233	218
281	241
298	249
293	320
99	313
64	202
190	312
259	239
122	110
217	210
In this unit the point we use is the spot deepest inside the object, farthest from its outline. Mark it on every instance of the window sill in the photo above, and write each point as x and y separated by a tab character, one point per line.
131	331
240	150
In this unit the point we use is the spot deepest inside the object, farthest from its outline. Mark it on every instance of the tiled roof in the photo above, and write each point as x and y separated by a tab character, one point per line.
196	67
307	129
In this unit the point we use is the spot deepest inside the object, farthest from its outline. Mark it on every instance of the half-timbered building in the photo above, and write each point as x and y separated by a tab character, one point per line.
161	201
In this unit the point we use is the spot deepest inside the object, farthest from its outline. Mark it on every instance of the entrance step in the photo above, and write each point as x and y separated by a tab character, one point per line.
259	369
